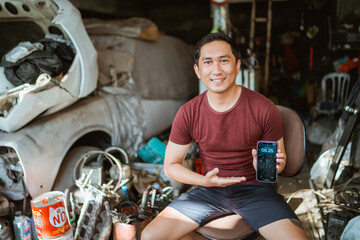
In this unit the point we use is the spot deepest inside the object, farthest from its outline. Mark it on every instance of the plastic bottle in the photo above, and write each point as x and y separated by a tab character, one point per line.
22	227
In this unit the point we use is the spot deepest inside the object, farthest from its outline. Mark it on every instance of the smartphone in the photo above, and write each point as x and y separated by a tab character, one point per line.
266	161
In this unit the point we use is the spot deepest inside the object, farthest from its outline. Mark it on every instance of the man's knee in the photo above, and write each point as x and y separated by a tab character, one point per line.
146	234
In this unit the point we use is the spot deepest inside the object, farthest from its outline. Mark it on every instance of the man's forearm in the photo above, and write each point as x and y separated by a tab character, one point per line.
183	174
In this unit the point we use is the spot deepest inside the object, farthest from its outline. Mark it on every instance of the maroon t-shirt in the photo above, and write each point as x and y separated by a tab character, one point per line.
225	139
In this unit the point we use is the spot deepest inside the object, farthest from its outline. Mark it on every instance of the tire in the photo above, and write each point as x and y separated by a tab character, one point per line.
64	178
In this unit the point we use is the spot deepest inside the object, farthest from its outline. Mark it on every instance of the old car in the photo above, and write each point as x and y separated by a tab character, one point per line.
48	122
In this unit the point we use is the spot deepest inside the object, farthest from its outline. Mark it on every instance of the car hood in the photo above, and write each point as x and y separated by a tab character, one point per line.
30	23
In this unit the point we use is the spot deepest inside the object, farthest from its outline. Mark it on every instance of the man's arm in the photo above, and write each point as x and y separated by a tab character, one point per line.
174	169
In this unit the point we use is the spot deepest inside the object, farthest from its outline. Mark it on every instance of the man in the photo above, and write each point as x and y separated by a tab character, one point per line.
226	121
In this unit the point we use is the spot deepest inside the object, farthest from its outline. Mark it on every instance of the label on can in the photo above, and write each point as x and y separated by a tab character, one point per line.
50	216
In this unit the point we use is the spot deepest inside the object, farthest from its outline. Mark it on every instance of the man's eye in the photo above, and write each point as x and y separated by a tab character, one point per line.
207	62
224	60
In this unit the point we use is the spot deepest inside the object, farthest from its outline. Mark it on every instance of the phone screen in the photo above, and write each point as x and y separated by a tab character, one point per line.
266	161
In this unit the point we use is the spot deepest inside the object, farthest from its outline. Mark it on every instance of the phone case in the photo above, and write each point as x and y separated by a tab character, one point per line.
267	173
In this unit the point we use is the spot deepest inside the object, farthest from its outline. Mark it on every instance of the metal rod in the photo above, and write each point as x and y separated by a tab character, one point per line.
268	41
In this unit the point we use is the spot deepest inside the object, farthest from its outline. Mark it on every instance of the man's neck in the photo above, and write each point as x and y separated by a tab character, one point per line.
222	102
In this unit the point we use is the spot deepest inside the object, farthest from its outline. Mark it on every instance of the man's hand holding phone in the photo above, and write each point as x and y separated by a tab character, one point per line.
268	160
281	160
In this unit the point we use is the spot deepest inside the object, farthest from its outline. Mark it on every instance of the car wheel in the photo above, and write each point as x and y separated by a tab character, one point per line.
64	178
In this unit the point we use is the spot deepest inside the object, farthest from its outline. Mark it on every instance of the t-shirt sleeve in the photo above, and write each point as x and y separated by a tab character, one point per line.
273	127
180	133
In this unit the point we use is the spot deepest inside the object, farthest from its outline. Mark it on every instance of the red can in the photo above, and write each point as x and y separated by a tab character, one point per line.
50	215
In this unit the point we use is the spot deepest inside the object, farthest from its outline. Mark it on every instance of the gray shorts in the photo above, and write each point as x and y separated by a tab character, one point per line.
259	204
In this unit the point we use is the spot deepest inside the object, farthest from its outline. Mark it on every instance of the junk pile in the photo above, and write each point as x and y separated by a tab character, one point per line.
112	198
335	176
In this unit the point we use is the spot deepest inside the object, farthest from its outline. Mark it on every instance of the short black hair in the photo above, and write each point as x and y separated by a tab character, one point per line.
219	36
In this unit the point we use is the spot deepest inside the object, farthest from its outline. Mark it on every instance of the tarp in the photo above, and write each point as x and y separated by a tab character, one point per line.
162	68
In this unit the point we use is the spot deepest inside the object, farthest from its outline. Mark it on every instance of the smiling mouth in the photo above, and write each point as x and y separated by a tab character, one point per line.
218	80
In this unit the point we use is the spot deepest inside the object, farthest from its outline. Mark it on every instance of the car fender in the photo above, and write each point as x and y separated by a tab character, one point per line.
42	145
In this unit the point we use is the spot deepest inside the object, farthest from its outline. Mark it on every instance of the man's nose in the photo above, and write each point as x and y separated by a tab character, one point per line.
217	68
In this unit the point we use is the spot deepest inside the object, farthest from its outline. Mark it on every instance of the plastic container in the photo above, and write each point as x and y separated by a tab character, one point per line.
153	151
22	227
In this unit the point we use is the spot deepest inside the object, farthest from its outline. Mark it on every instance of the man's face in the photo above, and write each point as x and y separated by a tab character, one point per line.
217	67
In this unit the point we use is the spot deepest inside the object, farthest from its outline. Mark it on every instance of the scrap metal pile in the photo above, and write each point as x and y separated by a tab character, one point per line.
112	198
112	194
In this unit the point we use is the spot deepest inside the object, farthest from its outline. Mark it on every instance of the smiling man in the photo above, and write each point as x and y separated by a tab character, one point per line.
226	121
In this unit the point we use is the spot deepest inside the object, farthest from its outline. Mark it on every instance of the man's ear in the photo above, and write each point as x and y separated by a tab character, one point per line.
238	65
196	68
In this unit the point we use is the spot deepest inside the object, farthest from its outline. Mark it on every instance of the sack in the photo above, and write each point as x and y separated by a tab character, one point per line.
55	58
28	69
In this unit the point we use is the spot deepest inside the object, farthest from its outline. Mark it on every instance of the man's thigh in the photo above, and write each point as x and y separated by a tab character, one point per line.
261	205
203	204
169	224
283	230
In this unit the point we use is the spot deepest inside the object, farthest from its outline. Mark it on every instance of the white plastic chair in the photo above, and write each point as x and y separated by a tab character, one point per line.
339	87
334	89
